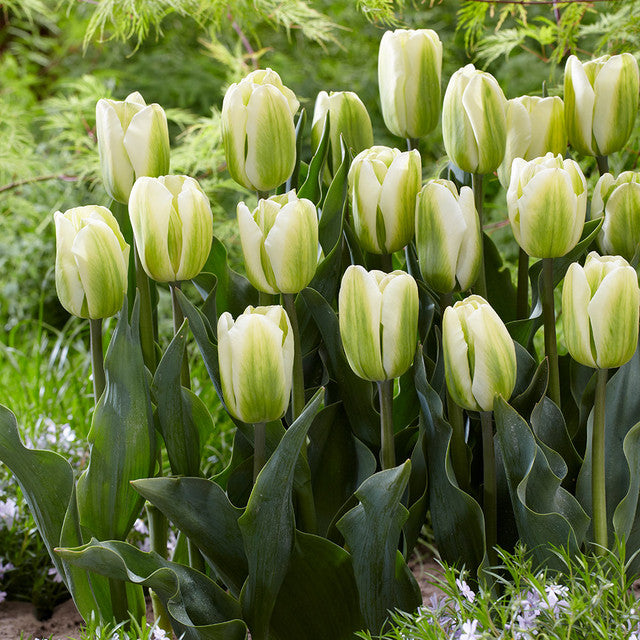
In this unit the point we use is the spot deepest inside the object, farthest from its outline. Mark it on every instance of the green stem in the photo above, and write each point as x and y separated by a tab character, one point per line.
522	303
262	195
196	561
178	319
490	494
386	262
459	458
598	486
603	164
147	334
477	184
387	448
119	603
97	358
549	317
259	448
265	299
297	390
158	527
412	143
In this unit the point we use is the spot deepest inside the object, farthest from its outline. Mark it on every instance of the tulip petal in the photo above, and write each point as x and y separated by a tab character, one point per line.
392	81
252	240
233	122
147	142
470	252
518	138
576	295
225	360
620	232
68	283
457	132
456	361
365	190
579	100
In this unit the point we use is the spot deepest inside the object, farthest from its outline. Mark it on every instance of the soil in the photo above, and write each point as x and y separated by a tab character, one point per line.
17	617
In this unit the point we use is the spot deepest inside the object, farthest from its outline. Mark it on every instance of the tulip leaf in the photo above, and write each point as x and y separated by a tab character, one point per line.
372	534
531	381
268	524
122	439
501	294
292	182
198	608
546	514
178	429
202	511
334	206
318	599
356	393
312	187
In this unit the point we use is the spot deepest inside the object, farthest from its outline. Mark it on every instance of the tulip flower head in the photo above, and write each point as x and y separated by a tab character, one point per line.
133	141
448	237
255	354
600	102
280	243
92	259
409	68
618	200
258	132
547	203
474	124
479	354
172	225
600	303
378	315
383	184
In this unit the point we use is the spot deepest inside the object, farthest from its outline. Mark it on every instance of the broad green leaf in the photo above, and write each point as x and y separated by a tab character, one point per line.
312	186
202	511
530	387
268	524
627	509
334	206
122	440
372	534
545	513
501	293
198	607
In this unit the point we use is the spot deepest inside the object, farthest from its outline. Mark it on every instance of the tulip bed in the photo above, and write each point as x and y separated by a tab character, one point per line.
377	360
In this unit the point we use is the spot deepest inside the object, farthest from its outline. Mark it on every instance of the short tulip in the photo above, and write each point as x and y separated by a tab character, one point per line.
479	354
255	355
92	259
600	304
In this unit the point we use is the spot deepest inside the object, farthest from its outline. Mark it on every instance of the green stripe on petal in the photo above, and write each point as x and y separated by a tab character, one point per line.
576	295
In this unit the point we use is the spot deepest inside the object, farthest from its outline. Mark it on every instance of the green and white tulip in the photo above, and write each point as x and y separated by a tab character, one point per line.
547	203
409	69
383	184
600	102
378	315
258	131
348	117
255	354
618	200
133	141
535	127
479	354
92	259
279	241
600	303
448	236
474	123
172	225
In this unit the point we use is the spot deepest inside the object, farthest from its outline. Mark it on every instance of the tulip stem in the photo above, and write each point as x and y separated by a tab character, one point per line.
412	143
603	164
598	486
97	358
259	448
119	602
490	494
459	458
549	317
522	302
477	184
178	319
297	389
158	527
147	337
262	195
387	449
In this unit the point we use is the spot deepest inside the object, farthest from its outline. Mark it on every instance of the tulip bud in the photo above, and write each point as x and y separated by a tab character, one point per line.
618	200
409	68
133	141
474	125
600	102
172	225
279	243
255	354
479	354
378	322
448	237
535	126
92	259
547	203
348	118
383	184
258	132
600	304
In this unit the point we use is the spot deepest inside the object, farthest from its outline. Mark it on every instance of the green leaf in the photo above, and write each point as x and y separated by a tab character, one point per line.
372	534
199	609
292	182
312	187
625	514
177	426
546	514
334	206
268	524
122	439
501	293
202	511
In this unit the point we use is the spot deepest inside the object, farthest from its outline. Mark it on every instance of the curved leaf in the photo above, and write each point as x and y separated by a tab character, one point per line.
312	186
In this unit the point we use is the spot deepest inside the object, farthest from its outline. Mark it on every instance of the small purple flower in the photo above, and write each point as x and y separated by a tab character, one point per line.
465	590
8	512
3	596
53	572
141	527
469	630
5	567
